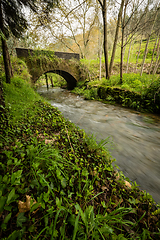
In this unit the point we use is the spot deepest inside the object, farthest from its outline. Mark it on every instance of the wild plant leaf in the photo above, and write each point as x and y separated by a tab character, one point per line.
85	172
46	221
5	178
63	182
71	219
106	229
58	202
34	207
21	219
7	218
14	235
46	196
83	216
11	196
31	228
58	173
2	203
18	176
34	183
12	178
55	232
75	227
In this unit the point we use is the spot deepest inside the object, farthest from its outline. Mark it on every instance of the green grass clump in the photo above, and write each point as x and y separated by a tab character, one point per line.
19	96
133	82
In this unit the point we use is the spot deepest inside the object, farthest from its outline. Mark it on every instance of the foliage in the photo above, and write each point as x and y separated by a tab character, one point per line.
19	68
137	92
65	33
93	64
13	18
18	97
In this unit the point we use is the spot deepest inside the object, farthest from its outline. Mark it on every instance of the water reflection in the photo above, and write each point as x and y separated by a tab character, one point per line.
136	137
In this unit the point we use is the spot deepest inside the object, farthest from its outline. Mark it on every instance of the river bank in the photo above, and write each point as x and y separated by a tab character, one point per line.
132	138
136	92
58	183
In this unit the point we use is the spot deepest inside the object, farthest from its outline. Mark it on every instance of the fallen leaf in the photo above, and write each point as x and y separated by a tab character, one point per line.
25	206
127	184
104	188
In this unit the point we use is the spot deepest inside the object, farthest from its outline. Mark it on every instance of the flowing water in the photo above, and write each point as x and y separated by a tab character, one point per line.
135	136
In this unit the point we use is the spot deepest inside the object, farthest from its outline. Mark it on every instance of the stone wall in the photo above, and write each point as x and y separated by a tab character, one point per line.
24	52
143	102
66	65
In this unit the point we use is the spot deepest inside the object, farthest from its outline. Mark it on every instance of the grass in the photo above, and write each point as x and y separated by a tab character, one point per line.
58	183
134	52
138	92
19	96
93	64
133	82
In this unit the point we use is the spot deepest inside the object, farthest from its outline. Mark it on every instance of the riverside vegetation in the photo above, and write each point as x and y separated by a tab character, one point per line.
141	93
58	183
138	92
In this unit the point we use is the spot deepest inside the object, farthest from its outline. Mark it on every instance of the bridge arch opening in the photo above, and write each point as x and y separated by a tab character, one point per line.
64	77
59	78
71	81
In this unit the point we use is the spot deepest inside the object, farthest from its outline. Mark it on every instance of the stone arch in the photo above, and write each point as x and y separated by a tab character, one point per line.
64	64
71	81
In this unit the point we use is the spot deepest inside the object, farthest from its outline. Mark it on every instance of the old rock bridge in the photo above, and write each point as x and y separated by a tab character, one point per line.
64	64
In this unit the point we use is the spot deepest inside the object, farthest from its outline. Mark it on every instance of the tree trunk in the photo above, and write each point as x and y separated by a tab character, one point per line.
154	51
145	54
157	61
46	80
139	52
100	49
156	66
116	37
100	64
51	81
121	63
122	44
6	61
129	51
146	48
6	57
104	13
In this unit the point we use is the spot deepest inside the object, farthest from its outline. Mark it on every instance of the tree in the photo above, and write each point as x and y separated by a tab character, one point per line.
150	69
103	4
157	58
116	36
148	38
12	21
132	24
71	25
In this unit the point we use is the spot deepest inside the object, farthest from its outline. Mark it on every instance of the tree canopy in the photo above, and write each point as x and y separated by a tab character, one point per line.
13	20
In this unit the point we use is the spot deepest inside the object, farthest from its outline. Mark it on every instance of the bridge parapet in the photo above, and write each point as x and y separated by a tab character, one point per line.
25	52
66	65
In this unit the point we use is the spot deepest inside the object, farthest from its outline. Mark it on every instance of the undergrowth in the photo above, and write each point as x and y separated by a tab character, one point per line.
58	183
146	87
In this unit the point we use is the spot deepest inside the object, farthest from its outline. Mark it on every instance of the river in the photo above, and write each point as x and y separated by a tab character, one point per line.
134	138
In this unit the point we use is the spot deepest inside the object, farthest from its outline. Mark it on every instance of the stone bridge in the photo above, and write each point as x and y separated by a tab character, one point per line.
66	65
